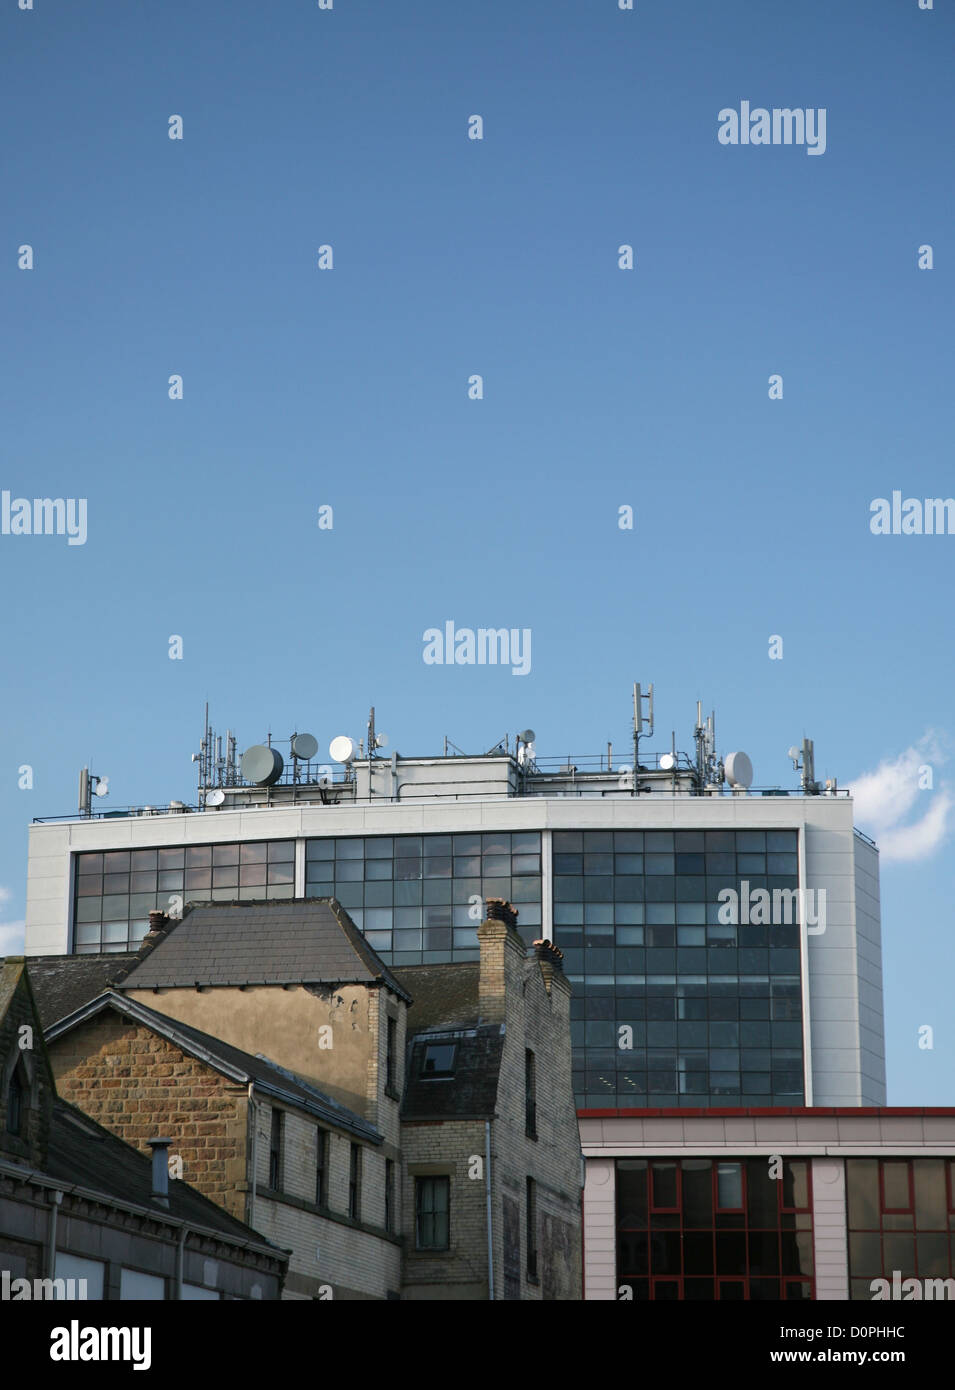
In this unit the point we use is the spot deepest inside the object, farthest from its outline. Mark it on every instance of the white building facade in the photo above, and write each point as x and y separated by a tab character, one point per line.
723	946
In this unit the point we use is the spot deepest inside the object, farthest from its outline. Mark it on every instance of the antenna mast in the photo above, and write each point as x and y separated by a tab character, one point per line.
638	726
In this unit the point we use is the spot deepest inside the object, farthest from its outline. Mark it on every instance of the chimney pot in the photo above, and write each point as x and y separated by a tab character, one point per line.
500	910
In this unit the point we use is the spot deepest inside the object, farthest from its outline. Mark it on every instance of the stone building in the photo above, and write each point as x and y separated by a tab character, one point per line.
491	1161
83	1214
389	1143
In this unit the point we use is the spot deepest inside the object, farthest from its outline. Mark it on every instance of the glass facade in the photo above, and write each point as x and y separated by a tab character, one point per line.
705	1229
419	899
901	1220
115	891
673	1006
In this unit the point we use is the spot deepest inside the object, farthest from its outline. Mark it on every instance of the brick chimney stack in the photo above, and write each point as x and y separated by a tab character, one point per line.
159	924
502	959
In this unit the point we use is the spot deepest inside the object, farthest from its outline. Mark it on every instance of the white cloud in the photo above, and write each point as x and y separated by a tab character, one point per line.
11	938
884	798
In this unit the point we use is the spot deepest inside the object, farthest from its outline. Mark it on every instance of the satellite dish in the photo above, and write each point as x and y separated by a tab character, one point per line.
381	740
102	787
667	761
262	765
215	798
739	771
528	736
794	753
304	746
342	749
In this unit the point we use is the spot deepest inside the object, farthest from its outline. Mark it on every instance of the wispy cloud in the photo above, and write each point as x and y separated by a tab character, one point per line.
11	933
885	797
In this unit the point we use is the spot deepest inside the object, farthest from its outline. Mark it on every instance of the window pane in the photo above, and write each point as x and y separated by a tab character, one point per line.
664	1182
75	1267
895	1184
729	1184
930	1201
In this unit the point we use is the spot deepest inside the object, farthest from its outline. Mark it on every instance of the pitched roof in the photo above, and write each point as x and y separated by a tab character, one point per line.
84	1154
294	941
230	1061
62	984
14	976
444	995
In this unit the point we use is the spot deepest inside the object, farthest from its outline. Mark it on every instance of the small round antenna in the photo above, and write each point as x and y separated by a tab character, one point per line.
343	749
102	787
739	771
667	761
527	736
381	740
794	753
304	746
215	798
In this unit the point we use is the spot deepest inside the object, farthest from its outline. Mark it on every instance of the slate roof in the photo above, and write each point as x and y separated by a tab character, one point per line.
230	1061
446	1008
84	1154
295	941
62	984
444	995
471	1093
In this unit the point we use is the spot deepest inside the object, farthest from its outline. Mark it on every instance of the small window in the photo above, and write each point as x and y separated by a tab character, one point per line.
432	1225
531	1229
389	1194
530	1094
438	1060
321	1168
275	1151
729	1186
391	1055
15	1103
354	1183
137	1286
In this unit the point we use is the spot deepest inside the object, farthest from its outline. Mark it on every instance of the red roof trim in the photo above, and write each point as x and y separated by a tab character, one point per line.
888	1112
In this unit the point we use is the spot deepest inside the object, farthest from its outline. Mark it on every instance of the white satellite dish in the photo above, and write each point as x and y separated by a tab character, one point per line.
381	740
739	771
102	787
667	761
528	736
343	749
215	798
794	753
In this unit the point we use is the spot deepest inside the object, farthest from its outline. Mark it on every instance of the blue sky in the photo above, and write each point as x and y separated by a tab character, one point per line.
602	388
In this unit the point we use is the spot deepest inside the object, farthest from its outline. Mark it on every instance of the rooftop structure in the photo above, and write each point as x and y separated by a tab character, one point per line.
722	938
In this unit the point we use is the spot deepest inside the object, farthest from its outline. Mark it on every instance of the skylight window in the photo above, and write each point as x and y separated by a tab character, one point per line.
438	1060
